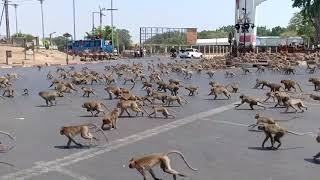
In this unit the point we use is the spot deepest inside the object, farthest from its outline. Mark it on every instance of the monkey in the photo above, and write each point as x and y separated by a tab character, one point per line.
274	87
260	69
219	90
289	70
146	84
252	101
268	120
288	84
25	92
84	130
281	97
149	91
110	120
56	81
211	74
159	96
49	75
8	92
188	74
234	87
230	74
146	163
260	82
170	99
174	81
245	70
50	96
192	90
126	79
316	83
275	132
87	91
270	95
161	109
113	90
124	105
92	106
314	97
290	102
173	88
39	67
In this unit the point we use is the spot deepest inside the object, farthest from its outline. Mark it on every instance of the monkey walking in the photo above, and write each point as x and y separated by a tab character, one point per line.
288	84
252	101
92	106
146	163
84	130
293	103
110	120
275	132
8	92
87	91
163	110
50	96
268	120
192	90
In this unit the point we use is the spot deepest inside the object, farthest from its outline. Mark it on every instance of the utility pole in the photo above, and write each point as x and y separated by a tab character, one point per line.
6	7
111	9
93	27
74	20
101	14
41	3
15	8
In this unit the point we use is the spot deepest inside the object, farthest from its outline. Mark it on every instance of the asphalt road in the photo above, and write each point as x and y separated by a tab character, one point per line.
213	136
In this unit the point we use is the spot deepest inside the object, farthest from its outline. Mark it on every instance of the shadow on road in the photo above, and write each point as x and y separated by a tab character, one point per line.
75	147
267	149
312	161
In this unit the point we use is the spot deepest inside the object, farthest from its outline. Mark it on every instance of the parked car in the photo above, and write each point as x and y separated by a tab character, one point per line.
190	53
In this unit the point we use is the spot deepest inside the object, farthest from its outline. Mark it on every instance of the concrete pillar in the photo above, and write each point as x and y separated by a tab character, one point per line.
276	49
204	50
166	49
209	50
223	50
219	49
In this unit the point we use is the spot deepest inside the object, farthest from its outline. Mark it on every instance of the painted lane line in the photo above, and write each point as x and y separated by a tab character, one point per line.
44	167
72	174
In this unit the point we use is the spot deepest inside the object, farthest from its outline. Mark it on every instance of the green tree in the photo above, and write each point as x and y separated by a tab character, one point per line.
28	37
310	10
277	31
60	42
124	38
173	38
302	27
263	31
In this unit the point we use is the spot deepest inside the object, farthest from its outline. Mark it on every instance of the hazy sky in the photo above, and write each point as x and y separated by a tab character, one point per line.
132	14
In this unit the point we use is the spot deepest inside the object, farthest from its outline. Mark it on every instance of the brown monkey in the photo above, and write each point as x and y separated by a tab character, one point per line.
146	163
92	106
192	90
274	87
260	82
84	130
268	120
293	103
316	83
113	90
87	91
170	99
252	101
146	84
110	120
8	92
275	132
270	95
161	109
281	97
133	105
234	87
219	90
288	84
50	96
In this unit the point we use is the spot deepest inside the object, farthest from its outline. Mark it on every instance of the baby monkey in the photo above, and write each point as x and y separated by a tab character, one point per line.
146	163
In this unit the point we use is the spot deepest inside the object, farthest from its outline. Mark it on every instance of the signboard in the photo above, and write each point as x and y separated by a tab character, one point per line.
192	36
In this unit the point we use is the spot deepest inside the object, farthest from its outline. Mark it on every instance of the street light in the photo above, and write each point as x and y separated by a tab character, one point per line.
67	35
244	25
41	3
74	20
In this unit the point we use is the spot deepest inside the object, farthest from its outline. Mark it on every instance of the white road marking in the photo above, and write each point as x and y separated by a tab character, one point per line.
72	174
226	122
45	167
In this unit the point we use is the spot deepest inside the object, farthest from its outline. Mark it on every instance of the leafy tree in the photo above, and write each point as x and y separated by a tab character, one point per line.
173	38
28	37
302	27
310	10
263	31
124	38
276	31
60	42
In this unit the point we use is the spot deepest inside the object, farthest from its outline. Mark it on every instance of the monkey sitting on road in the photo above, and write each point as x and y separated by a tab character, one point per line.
275	132
146	163
87	91
192	90
84	130
163	110
110	120
252	101
288	84
92	106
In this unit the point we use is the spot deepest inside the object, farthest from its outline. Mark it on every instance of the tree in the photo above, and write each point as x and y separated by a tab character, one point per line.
60	42
302	27
170	38
124	38
276	31
310	10
263	31
28	37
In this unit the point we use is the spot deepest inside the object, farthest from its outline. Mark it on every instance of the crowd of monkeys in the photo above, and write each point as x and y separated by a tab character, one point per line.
161	92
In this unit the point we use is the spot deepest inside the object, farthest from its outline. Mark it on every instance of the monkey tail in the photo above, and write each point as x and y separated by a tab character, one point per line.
105	107
296	117
183	158
299	87
7	164
184	99
99	129
298	134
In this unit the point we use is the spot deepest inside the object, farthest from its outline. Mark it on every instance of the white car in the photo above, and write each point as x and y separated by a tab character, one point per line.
190	53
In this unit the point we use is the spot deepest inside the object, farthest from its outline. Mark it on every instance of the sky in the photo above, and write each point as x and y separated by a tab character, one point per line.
133	14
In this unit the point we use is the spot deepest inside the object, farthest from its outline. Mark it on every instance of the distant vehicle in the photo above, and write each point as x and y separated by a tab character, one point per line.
190	53
97	45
